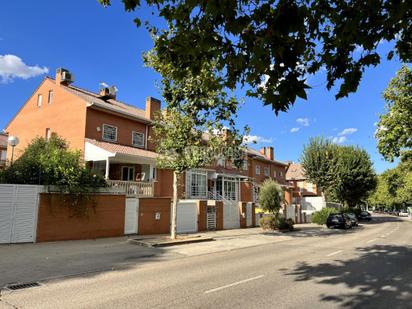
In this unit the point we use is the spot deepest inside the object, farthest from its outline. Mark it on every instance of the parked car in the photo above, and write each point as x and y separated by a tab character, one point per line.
403	213
365	216
339	221
354	221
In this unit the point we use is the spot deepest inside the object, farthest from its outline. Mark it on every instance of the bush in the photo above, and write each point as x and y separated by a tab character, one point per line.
320	217
271	196
276	223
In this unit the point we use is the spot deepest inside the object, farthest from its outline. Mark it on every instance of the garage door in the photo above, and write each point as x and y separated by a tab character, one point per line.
231	215
186	217
18	213
130	220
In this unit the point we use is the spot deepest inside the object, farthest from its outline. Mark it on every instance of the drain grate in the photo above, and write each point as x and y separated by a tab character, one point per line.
21	286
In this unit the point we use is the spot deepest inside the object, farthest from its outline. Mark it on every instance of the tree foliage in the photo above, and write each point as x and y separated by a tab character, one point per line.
320	216
272	46
345	173
271	196
394	133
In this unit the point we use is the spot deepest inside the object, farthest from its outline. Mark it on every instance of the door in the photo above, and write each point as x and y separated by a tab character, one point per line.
18	213
211	218
231	215
131	211
248	214
186	217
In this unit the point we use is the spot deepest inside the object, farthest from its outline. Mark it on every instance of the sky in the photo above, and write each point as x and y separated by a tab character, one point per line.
103	45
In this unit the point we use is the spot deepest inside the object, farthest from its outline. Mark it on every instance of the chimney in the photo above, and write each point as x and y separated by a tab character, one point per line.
64	77
152	106
107	92
268	152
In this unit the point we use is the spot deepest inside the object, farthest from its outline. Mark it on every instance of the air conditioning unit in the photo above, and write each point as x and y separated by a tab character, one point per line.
67	77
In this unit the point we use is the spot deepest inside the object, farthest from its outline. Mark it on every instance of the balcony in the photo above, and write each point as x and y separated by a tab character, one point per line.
132	188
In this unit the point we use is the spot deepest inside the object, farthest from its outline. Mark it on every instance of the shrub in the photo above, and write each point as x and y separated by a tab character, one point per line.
276	223
320	217
270	196
268	223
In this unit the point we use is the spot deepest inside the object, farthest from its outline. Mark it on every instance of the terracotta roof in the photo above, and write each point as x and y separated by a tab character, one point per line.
3	140
121	149
110	104
295	172
255	153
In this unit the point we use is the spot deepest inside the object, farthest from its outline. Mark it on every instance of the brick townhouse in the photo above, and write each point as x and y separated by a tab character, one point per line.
114	140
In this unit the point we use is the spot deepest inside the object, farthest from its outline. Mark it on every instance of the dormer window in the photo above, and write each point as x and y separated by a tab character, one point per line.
109	133
137	139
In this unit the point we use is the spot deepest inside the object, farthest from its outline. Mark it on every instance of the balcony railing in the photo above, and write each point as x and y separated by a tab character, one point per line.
132	188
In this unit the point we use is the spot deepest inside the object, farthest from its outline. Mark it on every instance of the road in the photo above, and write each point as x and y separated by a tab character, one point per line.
367	267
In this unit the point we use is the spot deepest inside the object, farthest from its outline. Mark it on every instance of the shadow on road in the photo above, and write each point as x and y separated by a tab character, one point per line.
381	276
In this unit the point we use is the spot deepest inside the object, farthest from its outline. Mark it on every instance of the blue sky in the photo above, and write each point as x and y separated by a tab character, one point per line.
99	44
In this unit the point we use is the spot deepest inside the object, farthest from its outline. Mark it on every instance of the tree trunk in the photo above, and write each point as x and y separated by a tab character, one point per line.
174	206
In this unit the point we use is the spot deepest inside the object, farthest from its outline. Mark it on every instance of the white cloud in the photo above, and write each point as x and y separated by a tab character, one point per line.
12	67
303	121
294	130
255	139
339	139
347	131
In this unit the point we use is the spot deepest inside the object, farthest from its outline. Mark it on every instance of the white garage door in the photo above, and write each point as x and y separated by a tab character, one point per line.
18	213
231	215
186	217
248	214
131	217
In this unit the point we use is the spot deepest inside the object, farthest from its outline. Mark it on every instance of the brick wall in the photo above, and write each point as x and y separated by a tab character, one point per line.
202	213
148	223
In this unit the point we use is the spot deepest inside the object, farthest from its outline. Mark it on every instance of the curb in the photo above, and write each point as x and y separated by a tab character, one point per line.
169	243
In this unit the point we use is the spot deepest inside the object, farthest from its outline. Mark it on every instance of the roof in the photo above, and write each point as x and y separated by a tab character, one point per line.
256	154
121	149
112	105
295	172
3	140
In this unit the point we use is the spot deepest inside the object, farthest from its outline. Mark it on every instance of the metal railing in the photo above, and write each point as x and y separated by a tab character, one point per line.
217	197
133	188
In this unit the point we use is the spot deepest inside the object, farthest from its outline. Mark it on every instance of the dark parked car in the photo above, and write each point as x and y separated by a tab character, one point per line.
365	216
353	219
339	221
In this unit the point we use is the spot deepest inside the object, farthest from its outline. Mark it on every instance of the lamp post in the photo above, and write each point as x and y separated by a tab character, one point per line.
13	141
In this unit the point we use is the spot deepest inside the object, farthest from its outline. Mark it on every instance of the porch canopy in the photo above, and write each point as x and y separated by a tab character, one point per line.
114	153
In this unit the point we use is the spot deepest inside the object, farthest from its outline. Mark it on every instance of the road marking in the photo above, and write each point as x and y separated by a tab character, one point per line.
233	284
334	253
371	240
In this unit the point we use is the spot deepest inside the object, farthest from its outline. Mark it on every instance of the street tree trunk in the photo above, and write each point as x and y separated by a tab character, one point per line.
174	206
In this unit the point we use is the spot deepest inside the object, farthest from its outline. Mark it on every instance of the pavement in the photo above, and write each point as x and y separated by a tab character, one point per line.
366	267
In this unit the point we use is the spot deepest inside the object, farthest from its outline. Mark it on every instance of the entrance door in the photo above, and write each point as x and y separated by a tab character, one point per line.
211	218
231	215
131	217
186	217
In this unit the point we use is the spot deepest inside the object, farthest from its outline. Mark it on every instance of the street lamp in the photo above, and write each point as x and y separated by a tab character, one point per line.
13	141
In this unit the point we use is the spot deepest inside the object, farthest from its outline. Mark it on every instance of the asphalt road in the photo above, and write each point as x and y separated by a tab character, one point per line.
367	267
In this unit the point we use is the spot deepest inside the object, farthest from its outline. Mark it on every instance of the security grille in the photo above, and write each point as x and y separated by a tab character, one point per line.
211	218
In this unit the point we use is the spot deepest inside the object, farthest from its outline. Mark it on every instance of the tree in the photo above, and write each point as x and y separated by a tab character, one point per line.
394	133
187	138
270	47
271	197
318	161
354	176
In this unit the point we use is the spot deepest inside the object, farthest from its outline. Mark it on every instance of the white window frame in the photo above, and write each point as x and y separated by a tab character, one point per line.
194	178
221	162
3	155
245	165
257	170
128	173
107	139
309	187
143	139
39	100
50	97
48	134
266	171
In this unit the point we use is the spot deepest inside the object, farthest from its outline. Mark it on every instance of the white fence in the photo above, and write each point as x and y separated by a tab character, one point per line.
132	188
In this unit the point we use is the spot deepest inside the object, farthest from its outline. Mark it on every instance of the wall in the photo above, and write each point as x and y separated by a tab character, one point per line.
246	189
125	126
57	221
66	116
242	207
164	183
219	215
202	213
148	207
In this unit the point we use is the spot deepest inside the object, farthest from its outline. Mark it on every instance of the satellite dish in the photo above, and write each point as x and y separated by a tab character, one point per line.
13	141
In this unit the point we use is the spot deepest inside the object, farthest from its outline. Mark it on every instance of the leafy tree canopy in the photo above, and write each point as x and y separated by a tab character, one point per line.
272	46
394	133
271	196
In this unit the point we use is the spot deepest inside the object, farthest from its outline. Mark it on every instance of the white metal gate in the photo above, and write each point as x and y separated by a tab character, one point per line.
131	217
248	214
186	216
231	215
290	212
18	213
211	218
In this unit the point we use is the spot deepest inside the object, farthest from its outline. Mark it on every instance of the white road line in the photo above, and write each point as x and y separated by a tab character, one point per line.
371	240
334	253
233	284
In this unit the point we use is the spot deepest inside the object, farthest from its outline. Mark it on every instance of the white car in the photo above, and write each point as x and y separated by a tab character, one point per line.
403	214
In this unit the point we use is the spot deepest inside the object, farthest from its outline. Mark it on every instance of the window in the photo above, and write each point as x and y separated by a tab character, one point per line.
245	165
221	162
154	173
266	171
48	134
137	139
128	173
109	133
280	174
197	184
50	97
3	155
309	186
257	170
39	100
